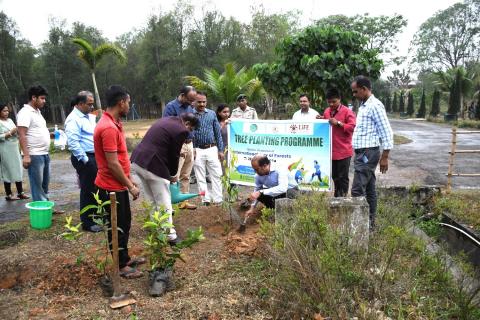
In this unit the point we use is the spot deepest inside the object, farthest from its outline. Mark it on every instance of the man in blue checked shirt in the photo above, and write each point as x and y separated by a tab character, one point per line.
175	108
208	146
79	127
372	131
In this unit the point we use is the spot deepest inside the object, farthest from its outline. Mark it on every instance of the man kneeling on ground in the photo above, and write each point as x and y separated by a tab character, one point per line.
270	184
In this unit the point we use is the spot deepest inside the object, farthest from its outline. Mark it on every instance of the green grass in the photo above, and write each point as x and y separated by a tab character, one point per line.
463	205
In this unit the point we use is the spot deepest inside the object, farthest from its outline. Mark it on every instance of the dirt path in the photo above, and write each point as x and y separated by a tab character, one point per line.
43	276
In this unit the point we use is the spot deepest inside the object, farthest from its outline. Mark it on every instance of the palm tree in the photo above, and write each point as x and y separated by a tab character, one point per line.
92	56
459	82
225	87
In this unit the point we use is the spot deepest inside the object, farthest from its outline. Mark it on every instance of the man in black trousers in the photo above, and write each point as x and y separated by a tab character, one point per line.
79	127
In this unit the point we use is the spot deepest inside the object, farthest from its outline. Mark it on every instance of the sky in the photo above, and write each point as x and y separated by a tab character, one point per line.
115	17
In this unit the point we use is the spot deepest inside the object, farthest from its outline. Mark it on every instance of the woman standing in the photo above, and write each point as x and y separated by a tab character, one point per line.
10	161
223	113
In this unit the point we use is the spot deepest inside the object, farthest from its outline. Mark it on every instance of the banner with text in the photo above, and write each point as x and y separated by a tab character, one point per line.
303	147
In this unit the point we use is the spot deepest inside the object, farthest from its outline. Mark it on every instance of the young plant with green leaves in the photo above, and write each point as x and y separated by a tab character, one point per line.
73	233
162	255
230	190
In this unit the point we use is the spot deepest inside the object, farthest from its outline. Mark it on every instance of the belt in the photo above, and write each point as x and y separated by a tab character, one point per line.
206	146
90	153
187	141
365	149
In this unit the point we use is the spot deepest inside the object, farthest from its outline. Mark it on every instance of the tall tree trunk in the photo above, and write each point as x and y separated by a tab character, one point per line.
62	113
97	96
6	86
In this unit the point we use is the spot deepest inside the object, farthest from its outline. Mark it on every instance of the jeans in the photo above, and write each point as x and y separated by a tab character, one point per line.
365	163
86	174
39	176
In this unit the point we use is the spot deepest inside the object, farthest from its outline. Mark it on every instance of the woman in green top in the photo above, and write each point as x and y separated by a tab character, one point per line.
10	161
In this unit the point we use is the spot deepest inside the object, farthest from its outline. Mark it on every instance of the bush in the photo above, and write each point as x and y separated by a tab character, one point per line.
316	271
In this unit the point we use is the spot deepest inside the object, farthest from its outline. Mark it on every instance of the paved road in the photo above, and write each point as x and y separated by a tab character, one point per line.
425	159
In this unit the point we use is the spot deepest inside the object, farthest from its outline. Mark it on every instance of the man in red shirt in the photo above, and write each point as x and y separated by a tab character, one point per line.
342	120
114	171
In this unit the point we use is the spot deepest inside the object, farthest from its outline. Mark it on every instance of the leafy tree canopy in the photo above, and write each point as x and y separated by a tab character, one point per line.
381	31
450	38
318	58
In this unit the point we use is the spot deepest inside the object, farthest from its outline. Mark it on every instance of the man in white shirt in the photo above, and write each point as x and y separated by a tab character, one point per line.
243	111
305	112
35	143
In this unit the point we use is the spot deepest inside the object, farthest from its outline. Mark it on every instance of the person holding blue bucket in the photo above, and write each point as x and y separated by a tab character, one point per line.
155	160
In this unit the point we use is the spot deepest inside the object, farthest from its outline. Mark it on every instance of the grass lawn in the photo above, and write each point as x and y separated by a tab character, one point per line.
462	205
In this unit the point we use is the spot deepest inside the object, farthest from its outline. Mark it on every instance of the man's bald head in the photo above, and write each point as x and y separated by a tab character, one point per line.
261	164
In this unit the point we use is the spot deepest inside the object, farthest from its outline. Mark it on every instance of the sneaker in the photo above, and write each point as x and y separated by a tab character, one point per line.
187	205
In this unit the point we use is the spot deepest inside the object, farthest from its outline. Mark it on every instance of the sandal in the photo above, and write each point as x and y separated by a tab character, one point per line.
136	261
131	273
11	198
23	196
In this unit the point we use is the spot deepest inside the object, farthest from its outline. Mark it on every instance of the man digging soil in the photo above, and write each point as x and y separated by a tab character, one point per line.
270	184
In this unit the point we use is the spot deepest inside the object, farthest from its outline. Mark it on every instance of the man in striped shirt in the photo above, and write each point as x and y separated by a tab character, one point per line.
371	131
208	146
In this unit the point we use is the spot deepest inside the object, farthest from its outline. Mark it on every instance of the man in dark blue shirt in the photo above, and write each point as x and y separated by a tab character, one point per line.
175	108
208	150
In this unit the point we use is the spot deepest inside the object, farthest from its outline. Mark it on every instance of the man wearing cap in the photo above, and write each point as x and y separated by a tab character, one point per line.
243	111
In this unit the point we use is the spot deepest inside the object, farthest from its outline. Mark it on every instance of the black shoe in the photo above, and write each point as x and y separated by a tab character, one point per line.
94	228
175	241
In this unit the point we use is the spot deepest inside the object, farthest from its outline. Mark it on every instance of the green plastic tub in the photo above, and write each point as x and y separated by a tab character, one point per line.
40	214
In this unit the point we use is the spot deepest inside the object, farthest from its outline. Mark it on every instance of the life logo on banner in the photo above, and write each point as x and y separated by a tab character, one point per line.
302	147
